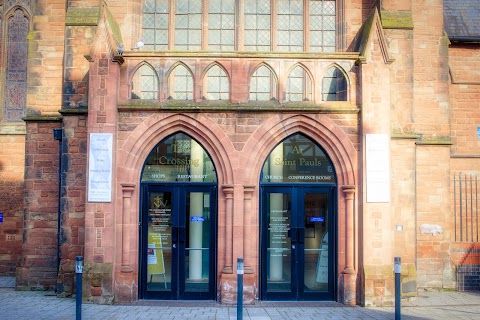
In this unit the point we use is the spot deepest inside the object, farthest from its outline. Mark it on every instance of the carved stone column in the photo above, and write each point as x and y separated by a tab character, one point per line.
127	191
228	192
248	230
349	273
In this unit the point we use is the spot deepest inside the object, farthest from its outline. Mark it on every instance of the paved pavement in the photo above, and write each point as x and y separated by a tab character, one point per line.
33	305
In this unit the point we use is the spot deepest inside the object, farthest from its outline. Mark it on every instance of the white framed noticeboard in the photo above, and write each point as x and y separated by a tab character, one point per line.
377	167
100	167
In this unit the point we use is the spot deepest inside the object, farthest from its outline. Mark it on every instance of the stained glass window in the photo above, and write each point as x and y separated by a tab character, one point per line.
290	25
221	24
188	25
217	84
322	25
16	67
334	85
181	83
262	85
257	25
299	85
144	84
155	24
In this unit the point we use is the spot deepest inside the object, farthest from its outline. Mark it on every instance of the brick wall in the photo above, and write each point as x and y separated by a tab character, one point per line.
46	58
38	264
12	159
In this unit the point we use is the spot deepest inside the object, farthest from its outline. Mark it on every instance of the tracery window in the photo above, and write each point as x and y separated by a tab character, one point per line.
181	84
217	84
144	83
266	25
15	95
299	85
334	85
262	85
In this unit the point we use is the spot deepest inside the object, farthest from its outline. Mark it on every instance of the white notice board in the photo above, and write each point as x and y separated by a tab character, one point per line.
378	168
100	167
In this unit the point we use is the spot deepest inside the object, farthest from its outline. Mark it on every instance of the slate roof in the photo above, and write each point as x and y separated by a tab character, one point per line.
462	19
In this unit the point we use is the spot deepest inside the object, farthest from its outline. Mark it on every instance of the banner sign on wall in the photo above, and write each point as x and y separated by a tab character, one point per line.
378	168
100	168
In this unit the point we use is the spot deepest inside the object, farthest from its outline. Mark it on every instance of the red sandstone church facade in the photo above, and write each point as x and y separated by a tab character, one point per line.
161	140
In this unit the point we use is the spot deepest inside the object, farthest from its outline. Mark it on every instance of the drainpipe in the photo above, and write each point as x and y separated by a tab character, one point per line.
57	135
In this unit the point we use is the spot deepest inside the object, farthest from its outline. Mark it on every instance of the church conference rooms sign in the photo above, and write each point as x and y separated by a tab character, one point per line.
100	168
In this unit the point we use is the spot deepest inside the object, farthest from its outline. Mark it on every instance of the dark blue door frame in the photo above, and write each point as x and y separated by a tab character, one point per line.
294	205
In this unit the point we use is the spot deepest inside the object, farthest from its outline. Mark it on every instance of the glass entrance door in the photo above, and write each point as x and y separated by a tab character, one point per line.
178	243
297	244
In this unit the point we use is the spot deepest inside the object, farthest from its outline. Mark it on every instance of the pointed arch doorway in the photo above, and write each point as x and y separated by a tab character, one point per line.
298	222
178	222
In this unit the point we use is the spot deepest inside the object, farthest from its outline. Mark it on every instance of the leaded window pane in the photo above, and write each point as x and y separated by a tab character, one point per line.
181	84
221	24
217	84
188	25
299	85
16	67
334	85
144	84
322	25
155	21
257	25
262	85
290	25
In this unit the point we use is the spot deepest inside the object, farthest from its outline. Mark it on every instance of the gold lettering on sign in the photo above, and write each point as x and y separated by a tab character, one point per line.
297	150
158	202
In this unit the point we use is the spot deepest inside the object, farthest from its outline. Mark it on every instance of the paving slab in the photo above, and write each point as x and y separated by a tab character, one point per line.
41	305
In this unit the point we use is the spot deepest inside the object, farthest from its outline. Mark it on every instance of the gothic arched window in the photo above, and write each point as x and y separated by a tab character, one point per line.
15	95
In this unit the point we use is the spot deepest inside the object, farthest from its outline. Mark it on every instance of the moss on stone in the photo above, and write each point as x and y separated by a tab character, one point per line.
264	106
397	20
114	27
82	16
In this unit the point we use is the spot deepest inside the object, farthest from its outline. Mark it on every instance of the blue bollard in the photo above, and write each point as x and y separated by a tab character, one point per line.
79	272
397	268
239	288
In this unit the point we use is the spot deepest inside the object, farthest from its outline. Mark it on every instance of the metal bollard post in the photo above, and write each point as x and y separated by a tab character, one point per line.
397	268
78	271
239	288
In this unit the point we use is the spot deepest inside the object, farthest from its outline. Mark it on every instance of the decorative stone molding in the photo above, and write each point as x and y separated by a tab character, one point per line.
127	191
349	273
247	228
228	192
